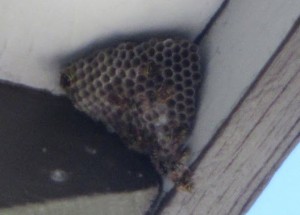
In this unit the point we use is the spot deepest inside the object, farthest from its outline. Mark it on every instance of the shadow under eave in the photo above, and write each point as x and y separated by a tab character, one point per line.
49	150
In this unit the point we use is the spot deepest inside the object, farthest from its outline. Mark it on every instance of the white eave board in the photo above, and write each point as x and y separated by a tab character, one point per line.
236	48
35	34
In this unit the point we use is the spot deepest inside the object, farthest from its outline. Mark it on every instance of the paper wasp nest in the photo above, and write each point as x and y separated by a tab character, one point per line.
146	92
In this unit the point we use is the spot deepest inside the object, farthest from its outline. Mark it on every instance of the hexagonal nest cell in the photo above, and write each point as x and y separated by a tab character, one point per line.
146	92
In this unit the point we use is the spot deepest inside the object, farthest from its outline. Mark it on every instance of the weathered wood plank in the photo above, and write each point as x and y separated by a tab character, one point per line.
256	138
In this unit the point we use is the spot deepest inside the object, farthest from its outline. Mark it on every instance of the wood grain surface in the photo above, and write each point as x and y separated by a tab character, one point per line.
257	137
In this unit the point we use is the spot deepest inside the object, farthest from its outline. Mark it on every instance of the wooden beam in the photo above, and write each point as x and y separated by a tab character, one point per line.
253	142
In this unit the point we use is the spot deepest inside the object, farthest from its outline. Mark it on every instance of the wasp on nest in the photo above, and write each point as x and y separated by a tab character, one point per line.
146	92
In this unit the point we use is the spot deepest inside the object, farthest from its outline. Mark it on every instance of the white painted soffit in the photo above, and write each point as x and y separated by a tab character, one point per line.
37	35
237	47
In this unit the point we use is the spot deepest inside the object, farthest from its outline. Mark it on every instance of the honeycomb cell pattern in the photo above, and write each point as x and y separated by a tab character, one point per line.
145	92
